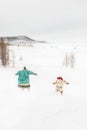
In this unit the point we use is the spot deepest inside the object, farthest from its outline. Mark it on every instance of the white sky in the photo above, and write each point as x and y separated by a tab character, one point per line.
29	17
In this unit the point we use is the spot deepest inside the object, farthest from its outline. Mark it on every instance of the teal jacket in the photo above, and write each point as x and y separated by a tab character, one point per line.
23	76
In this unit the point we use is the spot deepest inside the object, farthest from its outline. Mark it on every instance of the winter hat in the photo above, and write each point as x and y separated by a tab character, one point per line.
60	78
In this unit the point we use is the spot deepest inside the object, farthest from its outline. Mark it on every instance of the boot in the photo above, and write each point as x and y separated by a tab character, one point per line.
61	92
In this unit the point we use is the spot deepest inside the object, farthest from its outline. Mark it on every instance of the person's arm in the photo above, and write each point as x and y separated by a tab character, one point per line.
66	82
54	82
35	73
17	73
30	72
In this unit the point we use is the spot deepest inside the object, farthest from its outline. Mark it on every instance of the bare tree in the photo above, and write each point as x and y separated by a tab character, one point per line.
11	58
69	59
72	59
4	53
66	60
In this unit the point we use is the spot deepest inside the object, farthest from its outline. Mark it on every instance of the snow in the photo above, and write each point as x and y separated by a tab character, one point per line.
41	108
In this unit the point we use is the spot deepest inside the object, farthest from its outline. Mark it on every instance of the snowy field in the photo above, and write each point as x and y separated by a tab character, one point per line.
41	108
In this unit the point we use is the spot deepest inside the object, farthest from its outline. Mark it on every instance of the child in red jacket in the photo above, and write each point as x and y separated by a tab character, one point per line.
59	84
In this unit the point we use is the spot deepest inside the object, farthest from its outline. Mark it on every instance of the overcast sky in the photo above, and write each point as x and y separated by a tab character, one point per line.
29	17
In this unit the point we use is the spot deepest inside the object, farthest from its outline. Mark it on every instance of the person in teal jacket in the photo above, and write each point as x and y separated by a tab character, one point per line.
23	77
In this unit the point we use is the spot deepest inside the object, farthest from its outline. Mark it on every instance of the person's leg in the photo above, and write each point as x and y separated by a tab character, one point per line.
61	92
57	89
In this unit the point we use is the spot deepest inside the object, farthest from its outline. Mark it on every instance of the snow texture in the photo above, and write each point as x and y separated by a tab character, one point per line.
41	108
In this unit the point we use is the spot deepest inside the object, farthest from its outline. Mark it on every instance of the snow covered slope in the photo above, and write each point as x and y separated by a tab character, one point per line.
41	108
